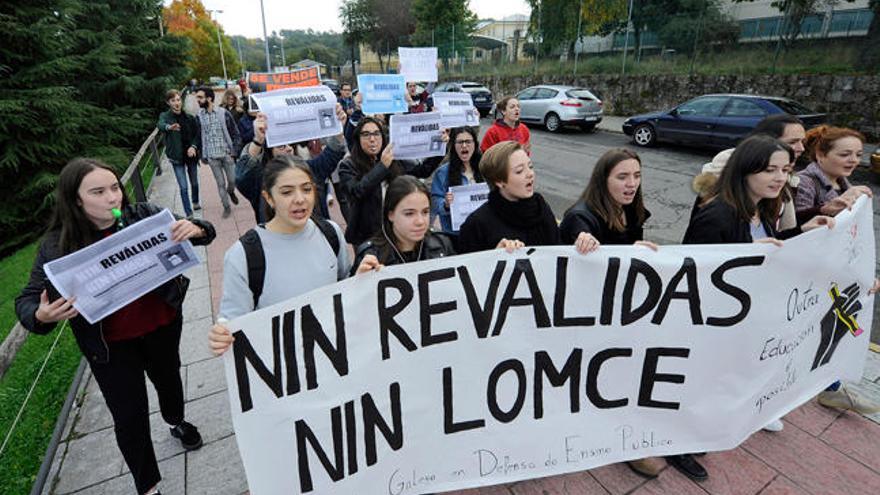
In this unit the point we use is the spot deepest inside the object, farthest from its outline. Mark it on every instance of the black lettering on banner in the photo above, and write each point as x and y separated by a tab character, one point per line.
559	318
650	376
735	292
351	437
426	309
481	314
305	434
571	372
287	329
131	251
449	423
373	420
386	314
608	291
692	294
638	267
536	300
492	390
313	333
243	353
593	378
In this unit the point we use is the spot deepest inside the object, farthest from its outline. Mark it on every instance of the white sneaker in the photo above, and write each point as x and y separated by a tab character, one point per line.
774	426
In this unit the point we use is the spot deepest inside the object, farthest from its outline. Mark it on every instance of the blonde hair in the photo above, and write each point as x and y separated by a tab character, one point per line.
495	164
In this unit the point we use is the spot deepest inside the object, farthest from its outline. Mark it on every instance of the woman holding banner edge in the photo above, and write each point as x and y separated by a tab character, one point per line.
142	337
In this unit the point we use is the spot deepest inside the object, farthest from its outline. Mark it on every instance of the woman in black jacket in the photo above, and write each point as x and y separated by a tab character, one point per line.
515	215
141	337
366	171
404	236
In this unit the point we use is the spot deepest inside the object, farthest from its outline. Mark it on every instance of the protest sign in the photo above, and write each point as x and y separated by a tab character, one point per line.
418	64
457	109
382	93
270	81
417	135
496	367
466	199
118	269
298	114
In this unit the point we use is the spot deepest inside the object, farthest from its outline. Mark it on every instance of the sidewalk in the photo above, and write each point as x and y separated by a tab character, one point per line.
819	452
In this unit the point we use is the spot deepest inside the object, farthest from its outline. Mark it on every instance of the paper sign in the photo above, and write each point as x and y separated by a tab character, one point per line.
466	199
118	269
417	135
298	114
456	109
418	64
270	81
382	93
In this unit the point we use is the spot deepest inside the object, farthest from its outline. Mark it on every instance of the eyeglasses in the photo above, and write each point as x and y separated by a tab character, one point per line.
464	142
371	134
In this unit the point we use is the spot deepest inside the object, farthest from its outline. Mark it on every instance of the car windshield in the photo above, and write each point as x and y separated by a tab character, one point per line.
582	94
471	85
792	107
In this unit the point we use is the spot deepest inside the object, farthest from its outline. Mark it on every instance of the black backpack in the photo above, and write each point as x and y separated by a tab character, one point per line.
256	258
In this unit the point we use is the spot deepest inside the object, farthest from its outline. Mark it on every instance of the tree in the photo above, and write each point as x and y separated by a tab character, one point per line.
190	19
555	23
358	22
794	12
394	25
602	17
869	58
434	21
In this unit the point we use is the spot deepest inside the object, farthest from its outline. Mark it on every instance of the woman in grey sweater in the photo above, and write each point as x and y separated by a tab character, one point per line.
290	234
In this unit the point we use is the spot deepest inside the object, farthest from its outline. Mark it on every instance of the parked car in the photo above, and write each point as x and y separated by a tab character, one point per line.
333	84
480	94
713	121
557	106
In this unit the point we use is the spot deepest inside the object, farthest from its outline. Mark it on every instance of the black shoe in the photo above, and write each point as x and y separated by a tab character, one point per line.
233	197
188	435
197	207
689	466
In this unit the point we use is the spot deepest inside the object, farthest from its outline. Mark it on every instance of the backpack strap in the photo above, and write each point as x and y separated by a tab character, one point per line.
256	263
330	233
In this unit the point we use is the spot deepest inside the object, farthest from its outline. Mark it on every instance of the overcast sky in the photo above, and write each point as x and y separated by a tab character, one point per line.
243	16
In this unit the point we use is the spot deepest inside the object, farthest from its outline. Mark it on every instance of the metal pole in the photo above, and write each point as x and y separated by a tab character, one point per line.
283	58
578	38
265	38
453	46
220	44
240	59
626	38
697	39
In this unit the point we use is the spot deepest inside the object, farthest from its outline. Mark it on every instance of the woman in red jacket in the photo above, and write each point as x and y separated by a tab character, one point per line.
508	127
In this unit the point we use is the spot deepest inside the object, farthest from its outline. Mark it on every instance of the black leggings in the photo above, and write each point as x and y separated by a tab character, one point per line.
122	383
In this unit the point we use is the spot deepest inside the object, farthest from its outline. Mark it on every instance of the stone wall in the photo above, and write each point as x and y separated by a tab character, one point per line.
852	101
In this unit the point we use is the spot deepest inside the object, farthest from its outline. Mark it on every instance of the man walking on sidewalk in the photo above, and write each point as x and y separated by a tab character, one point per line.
182	147
220	142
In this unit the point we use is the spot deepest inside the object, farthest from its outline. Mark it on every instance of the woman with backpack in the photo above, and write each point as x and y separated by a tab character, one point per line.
257	270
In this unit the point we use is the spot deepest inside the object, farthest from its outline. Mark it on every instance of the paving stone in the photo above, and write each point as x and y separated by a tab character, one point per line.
872	367
581	483
812	417
197	304
783	486
810	463
90	460
201	251
215	468
504	489
205	378
670	481
735	472
54	468
198	277
617	478
173	482
194	341
93	414
153	397
856	437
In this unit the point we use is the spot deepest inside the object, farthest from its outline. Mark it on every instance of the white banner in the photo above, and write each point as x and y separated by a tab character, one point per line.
417	135
493	367
466	199
418	64
118	269
457	109
298	114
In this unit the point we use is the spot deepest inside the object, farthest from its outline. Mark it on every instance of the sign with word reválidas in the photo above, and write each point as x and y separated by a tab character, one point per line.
269	81
417	135
382	93
298	114
495	367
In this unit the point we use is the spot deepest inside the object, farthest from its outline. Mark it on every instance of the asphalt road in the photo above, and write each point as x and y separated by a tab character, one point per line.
564	161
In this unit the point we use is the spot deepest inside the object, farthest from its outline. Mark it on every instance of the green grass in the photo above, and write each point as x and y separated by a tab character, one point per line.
14	272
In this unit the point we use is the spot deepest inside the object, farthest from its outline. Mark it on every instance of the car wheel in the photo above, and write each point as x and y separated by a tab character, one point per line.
588	127
644	135
552	122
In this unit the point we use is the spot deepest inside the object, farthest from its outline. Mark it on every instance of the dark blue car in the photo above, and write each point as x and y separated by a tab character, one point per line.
713	121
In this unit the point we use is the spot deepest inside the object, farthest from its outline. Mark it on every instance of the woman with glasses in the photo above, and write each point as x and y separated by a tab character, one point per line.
364	176
461	168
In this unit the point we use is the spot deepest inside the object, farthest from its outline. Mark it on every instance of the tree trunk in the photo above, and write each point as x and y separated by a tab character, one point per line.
10	346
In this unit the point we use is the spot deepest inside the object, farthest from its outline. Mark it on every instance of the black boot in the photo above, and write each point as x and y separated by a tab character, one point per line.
689	466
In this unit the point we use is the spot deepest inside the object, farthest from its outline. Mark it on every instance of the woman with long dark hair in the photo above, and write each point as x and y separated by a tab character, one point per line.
141	337
461	168
366	172
293	232
515	215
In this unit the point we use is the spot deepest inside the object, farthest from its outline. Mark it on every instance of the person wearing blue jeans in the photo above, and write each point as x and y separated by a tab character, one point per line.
182	143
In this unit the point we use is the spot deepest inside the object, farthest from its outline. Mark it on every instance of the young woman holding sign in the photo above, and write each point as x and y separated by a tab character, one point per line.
142	337
365	173
508	127
515	215
461	168
257	270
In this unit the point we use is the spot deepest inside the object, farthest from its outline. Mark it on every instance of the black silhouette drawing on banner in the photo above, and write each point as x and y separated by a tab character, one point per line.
837	322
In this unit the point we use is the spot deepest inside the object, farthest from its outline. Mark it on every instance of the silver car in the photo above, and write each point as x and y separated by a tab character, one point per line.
556	106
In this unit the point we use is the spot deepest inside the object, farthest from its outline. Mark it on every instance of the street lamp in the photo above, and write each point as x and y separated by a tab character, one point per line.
283	59
265	38
220	44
